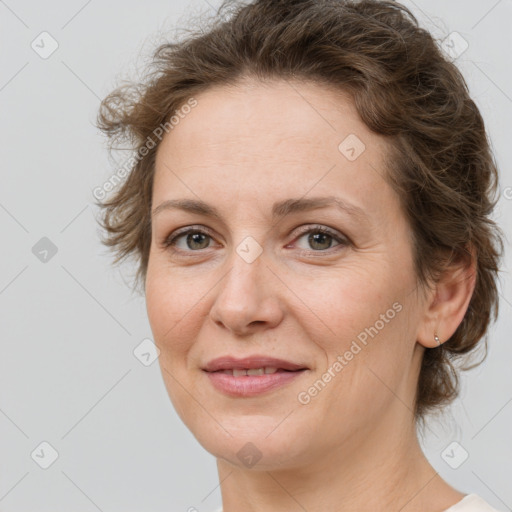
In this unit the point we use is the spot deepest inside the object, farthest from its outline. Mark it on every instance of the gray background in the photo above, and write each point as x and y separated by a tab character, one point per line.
69	325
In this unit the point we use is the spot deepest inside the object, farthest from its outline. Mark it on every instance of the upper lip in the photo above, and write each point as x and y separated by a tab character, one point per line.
230	363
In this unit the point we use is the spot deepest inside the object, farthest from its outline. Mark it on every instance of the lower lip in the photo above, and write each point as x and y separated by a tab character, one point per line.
251	385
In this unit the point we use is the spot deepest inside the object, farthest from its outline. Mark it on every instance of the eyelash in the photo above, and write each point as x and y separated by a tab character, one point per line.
170	242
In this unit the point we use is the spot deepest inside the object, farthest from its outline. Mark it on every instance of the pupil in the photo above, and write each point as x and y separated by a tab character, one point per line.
313	239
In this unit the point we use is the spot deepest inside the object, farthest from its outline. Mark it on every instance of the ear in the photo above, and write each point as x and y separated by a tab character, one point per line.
447	304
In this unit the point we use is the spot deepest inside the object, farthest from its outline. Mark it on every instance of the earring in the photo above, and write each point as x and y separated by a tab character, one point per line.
436	338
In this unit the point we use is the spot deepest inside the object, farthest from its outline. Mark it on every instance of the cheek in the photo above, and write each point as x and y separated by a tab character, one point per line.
161	310
343	304
363	318
172	326
170	303
371	314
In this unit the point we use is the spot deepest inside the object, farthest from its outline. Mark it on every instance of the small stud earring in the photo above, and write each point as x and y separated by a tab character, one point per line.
436	338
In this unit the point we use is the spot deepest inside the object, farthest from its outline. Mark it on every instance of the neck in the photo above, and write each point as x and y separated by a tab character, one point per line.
384	469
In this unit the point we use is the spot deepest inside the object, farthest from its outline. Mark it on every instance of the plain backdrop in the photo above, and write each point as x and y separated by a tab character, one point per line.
74	396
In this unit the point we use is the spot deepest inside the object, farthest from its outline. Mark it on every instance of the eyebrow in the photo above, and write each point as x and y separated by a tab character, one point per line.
279	209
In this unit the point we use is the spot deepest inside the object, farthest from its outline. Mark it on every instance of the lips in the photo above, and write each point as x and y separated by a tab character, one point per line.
267	364
251	376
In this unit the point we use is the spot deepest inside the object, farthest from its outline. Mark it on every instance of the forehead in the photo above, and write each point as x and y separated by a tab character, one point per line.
278	138
274	114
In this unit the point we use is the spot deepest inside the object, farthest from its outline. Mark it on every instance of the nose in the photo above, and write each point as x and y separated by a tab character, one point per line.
248	298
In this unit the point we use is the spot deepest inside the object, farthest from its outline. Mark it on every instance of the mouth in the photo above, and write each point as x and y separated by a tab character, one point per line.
269	365
251	376
240	372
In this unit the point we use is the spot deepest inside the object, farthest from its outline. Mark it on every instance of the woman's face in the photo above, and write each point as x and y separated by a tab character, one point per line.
258	280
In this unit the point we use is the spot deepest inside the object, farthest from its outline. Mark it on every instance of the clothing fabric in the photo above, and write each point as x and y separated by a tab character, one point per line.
470	503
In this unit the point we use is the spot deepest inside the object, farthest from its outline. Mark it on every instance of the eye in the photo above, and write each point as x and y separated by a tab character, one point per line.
320	239
194	239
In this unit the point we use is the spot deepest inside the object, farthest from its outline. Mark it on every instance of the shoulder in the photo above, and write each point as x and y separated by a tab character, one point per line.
471	503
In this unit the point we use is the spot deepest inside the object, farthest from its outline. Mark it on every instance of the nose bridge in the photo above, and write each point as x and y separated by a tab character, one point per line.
247	262
246	296
242	284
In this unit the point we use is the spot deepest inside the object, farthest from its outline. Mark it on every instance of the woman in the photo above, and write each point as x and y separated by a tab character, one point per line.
309	206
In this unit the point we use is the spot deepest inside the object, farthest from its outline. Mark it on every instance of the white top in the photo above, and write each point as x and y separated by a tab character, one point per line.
470	503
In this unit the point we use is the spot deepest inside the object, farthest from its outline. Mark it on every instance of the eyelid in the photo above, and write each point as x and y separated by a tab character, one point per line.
323	229
193	227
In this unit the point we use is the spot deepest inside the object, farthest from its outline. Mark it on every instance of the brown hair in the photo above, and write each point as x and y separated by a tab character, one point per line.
403	87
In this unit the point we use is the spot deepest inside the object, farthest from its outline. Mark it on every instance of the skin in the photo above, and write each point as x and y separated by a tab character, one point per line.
354	445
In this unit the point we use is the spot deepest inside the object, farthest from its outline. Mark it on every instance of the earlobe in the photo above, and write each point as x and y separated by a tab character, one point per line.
447	305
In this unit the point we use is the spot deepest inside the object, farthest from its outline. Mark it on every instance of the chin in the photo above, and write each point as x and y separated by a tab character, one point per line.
254	441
